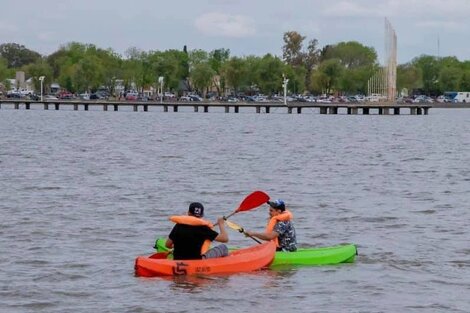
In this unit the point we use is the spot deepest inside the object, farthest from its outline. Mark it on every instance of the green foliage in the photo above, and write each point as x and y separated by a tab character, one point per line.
4	71
408	77
292	49
465	81
18	55
327	77
351	54
173	65
344	67
357	62
217	58
38	69
296	76
449	79
234	72
269	74
201	77
430	68
303	61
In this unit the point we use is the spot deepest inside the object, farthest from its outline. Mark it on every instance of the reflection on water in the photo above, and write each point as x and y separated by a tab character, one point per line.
196	283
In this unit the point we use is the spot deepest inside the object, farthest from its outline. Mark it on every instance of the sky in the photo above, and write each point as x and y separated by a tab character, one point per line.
246	27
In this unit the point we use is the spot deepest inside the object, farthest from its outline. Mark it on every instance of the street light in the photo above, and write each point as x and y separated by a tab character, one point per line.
160	80
41	79
284	85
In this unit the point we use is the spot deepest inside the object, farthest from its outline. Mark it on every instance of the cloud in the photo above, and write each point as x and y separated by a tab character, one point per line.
220	24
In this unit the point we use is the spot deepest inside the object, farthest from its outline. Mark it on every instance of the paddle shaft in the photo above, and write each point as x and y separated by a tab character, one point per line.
240	229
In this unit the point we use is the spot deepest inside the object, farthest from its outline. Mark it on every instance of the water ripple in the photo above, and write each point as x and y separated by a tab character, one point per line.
83	193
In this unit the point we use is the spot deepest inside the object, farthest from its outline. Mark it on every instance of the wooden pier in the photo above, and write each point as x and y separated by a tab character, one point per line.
364	108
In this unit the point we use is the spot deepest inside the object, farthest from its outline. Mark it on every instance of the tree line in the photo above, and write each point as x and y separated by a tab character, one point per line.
342	68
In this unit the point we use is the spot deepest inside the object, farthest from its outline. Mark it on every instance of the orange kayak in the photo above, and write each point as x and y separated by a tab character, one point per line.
243	260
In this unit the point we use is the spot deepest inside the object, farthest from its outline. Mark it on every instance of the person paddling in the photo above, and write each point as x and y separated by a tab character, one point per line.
280	227
190	238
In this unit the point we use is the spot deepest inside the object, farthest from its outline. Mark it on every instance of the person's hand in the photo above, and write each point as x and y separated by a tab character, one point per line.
220	221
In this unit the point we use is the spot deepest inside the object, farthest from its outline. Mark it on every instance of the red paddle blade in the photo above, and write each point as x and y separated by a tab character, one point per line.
253	200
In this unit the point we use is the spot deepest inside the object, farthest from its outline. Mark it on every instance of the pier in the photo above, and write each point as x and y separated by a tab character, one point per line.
364	108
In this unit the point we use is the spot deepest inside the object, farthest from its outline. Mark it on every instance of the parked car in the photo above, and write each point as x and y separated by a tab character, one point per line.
423	99
143	98
132	96
185	98
195	98
85	96
65	95
443	99
34	97
14	95
96	96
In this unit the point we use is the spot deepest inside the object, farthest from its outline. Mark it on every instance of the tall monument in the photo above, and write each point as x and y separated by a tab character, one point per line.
384	82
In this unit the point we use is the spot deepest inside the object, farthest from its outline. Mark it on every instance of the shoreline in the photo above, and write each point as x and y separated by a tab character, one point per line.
450	105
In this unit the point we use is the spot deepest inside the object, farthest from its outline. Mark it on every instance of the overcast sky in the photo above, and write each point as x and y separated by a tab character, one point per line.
246	27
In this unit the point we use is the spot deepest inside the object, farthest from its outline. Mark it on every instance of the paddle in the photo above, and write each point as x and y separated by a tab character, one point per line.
237	227
253	200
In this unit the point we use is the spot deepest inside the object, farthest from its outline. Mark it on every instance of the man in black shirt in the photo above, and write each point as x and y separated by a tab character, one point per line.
191	236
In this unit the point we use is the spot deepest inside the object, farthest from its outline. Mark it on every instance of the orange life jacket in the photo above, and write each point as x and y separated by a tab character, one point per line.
195	221
284	216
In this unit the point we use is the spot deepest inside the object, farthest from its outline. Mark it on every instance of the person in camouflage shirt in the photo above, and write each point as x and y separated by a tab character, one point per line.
280	227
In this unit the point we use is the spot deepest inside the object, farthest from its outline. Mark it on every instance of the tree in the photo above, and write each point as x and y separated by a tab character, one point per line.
408	77
430	69
38	69
312	59
172	65
326	78
359	64
216	60
292	49
465	81
234	72
138	69
449	79
4	71
201	77
295	56
269	74
197	57
18	55
351	54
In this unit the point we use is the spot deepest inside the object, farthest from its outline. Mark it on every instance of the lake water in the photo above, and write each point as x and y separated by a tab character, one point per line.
83	193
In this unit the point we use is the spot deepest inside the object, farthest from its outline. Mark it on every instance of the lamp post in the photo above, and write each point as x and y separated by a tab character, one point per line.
160	80
41	79
284	85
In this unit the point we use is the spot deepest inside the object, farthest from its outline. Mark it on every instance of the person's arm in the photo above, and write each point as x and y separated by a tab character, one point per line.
223	235
169	243
262	236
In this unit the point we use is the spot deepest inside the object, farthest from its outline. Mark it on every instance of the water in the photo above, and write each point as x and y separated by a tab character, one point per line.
83	193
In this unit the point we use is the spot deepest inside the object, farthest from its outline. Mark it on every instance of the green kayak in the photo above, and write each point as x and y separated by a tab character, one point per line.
304	256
